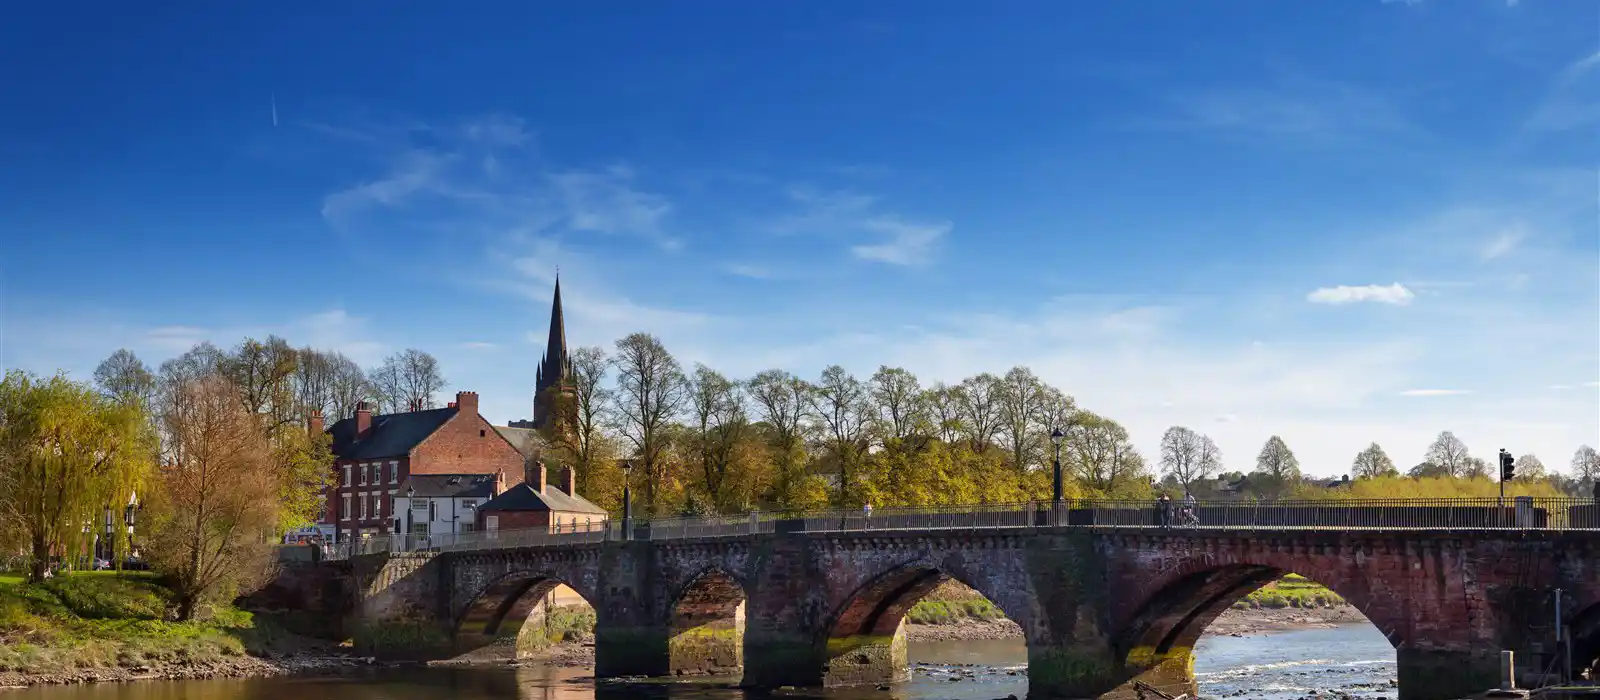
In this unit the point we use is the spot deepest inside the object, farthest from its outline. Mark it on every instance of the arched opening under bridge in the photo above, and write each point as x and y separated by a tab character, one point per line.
526	615
923	623
706	626
1241	628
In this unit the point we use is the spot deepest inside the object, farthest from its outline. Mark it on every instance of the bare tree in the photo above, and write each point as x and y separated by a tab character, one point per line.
217	509
1099	453
263	373
1449	455
650	392
313	381
1058	411
1188	456
1277	466
840	402
902	408
1530	467
1371	463
721	424
407	379
783	401
944	407
1019	404
348	386
126	379
978	400
587	389
1586	465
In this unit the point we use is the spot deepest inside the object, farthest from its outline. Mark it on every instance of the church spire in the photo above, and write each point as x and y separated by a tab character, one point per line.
555	366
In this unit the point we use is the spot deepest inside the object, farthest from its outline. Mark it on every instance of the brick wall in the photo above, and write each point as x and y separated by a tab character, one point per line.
467	444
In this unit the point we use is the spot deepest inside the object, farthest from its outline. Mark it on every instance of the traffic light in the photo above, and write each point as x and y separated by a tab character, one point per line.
1508	466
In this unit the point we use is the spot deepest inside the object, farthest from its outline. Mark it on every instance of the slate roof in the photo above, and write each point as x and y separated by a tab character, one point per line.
449	485
392	434
522	497
526	440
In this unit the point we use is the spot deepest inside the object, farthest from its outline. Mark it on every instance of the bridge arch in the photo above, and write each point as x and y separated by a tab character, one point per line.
705	623
864	641
515	606
1184	594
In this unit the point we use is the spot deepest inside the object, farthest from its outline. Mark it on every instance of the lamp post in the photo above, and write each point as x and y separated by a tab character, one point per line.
1055	439
127	519
110	549
411	492
627	500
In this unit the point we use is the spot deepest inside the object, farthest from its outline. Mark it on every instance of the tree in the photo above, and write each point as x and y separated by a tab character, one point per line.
407	379
839	401
1099	453
217	510
126	379
1586	465
1476	468
348	386
1449	455
783	401
1019	404
585	439
1188	456
313	381
1530	468
66	453
650	392
977	400
720	428
263	374
902	407
1277	466
1372	463
944	408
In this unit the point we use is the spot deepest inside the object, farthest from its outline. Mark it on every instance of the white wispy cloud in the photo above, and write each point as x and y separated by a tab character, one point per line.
1505	241
752	271
477	345
892	238
1297	106
1395	294
1573	100
1435	392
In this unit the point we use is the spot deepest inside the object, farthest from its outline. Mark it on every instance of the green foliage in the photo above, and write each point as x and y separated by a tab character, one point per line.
1292	591
100	620
1429	487
569	623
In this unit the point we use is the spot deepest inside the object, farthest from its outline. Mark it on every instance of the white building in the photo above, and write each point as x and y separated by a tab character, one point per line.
439	504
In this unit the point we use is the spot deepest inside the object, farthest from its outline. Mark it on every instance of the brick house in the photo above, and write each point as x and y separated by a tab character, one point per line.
374	454
536	503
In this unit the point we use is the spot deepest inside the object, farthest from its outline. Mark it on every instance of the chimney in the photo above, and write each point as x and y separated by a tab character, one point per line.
314	425
535	477
363	420
569	481
467	401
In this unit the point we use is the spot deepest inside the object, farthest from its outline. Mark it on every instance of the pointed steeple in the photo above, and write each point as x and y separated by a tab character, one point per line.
555	366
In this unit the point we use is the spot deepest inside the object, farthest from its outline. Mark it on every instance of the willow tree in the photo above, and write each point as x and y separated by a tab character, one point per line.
67	453
218	506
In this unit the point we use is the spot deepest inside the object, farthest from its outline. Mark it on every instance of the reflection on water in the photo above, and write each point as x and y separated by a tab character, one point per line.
1352	658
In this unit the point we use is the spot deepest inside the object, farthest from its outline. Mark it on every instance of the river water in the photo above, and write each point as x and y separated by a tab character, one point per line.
1353	659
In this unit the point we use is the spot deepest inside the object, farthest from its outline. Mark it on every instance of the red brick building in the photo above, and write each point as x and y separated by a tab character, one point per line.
374	454
536	503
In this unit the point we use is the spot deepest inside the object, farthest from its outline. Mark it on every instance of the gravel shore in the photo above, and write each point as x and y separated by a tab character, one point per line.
227	667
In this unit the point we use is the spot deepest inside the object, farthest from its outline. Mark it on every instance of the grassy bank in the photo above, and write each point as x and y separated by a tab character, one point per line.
1292	591
106	620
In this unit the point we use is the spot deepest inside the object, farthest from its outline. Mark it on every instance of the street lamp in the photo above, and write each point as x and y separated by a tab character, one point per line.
127	519
110	549
411	492
1055	438
627	499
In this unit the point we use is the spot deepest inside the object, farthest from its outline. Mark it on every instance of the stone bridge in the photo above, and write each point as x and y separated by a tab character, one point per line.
1100	607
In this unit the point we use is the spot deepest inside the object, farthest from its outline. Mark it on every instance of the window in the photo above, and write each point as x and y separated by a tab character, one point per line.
465	527
346	475
394	472
483	433
344	505
363	506
363	469
433	513
469	503
391	501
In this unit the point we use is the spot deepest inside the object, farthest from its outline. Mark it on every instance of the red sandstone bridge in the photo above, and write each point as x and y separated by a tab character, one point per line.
1106	596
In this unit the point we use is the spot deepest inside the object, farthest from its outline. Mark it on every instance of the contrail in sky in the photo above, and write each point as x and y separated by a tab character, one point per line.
274	109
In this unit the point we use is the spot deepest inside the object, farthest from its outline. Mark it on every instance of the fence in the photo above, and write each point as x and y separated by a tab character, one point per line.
1518	513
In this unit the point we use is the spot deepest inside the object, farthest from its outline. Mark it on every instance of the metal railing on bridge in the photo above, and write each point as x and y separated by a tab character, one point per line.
1517	513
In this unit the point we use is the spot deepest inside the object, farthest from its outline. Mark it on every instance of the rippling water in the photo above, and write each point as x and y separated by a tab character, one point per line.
1355	659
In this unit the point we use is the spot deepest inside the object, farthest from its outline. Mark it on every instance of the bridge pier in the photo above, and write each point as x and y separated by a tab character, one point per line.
1443	674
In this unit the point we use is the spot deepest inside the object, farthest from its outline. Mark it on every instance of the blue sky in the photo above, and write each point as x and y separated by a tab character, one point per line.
1339	222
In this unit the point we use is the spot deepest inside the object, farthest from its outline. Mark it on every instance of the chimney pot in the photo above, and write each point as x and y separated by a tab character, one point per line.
536	476
314	426
363	420
569	481
467	401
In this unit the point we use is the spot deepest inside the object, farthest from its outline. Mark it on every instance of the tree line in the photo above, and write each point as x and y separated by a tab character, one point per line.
702	442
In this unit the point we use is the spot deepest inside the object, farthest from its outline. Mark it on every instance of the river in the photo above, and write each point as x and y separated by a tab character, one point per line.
1355	659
